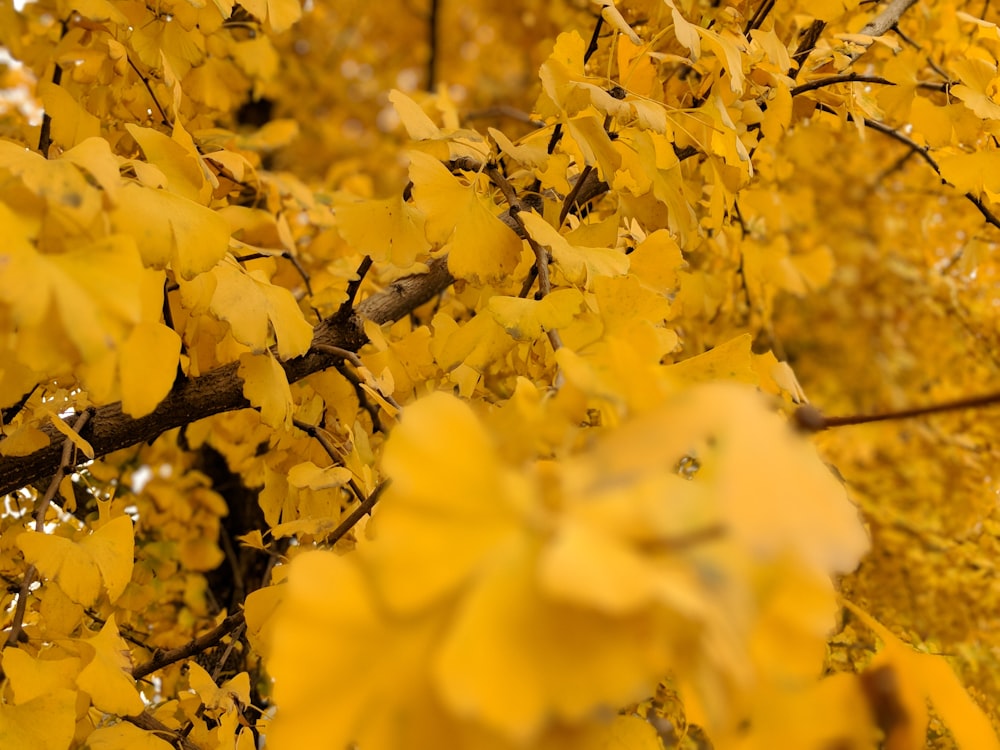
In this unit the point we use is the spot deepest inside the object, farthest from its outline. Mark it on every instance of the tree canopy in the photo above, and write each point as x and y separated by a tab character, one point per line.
547	374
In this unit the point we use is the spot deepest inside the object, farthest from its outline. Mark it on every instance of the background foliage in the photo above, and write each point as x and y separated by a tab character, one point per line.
418	374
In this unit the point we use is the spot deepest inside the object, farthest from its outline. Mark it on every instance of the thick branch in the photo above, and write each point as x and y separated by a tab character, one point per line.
221	390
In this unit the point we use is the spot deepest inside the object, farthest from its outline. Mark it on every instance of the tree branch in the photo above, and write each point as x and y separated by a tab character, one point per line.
221	390
196	646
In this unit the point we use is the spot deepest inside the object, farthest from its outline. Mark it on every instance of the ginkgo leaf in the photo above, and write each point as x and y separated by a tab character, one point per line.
23	441
125	736
170	229
32	678
418	125
525	319
107	677
280	15
578	263
71	123
387	703
148	366
179	165
265	386
46	722
80	567
926	677
972	172
389	230
481	246
470	506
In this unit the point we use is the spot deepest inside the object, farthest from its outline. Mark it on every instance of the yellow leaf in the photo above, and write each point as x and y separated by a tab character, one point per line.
46	723
170	229
972	173
71	123
580	264
279	14
32	678
924	677
125	736
112	548
72	435
95	156
434	500
526	319
23	441
107	677
79	567
418	125
180	165
388	230
265	386
482	247
148	367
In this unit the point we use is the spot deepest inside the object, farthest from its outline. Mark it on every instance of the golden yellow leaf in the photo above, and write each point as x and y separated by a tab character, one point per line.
389	230
125	736
45	723
32	678
147	367
23	441
179	165
107	676
265	386
170	229
526	319
481	246
474	513
71	123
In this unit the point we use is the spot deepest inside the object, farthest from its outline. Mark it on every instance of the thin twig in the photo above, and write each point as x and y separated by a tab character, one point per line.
573	194
192	647
338	351
810	419
150	723
352	287
145	82
357	514
541	255
922	152
758	17
858	78
807	43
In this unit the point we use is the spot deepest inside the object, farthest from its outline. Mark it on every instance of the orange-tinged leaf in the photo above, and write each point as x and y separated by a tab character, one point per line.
148	367
107	677
973	172
279	14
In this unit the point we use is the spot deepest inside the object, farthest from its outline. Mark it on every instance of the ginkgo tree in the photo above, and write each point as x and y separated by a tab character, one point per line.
438	374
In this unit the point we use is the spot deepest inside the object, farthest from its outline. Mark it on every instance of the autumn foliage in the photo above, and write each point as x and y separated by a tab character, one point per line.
438	374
